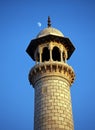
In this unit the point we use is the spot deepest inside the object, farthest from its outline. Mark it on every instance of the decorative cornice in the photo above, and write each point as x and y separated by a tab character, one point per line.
48	38
51	68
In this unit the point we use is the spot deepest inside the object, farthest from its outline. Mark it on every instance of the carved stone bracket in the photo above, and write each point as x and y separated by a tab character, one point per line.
51	68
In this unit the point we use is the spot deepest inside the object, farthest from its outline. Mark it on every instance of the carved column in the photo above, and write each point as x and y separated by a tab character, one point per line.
40	54
50	48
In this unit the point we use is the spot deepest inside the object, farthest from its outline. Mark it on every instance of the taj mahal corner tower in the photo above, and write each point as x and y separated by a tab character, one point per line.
51	78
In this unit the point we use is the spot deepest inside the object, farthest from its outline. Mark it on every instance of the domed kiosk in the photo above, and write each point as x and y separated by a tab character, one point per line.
49	35
50	31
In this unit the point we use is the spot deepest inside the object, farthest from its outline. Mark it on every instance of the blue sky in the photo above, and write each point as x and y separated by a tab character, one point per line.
18	25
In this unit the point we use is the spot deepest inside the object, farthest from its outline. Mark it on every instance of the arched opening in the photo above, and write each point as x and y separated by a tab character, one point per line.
56	54
37	57
45	54
63	56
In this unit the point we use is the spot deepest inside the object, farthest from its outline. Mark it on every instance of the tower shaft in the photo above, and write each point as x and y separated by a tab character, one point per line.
53	109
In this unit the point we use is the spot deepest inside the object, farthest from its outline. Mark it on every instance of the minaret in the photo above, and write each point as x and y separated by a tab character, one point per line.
51	78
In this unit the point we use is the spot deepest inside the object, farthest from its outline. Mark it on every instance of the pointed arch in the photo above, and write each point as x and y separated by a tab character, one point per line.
45	54
56	56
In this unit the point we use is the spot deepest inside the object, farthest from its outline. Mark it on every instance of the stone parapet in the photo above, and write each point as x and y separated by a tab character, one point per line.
43	69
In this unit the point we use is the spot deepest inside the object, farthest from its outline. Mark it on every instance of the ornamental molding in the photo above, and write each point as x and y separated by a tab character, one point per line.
51	69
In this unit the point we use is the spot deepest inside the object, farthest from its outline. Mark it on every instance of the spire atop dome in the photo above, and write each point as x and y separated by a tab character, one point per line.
49	22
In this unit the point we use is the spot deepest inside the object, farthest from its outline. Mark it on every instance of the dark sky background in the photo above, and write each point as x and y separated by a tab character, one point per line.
18	25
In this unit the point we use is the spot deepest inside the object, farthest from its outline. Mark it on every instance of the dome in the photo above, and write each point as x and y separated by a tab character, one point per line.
50	30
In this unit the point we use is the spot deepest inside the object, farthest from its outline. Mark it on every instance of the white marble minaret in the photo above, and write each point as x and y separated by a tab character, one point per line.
51	77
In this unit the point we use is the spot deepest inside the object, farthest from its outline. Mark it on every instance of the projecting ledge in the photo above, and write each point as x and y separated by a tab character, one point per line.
51	68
